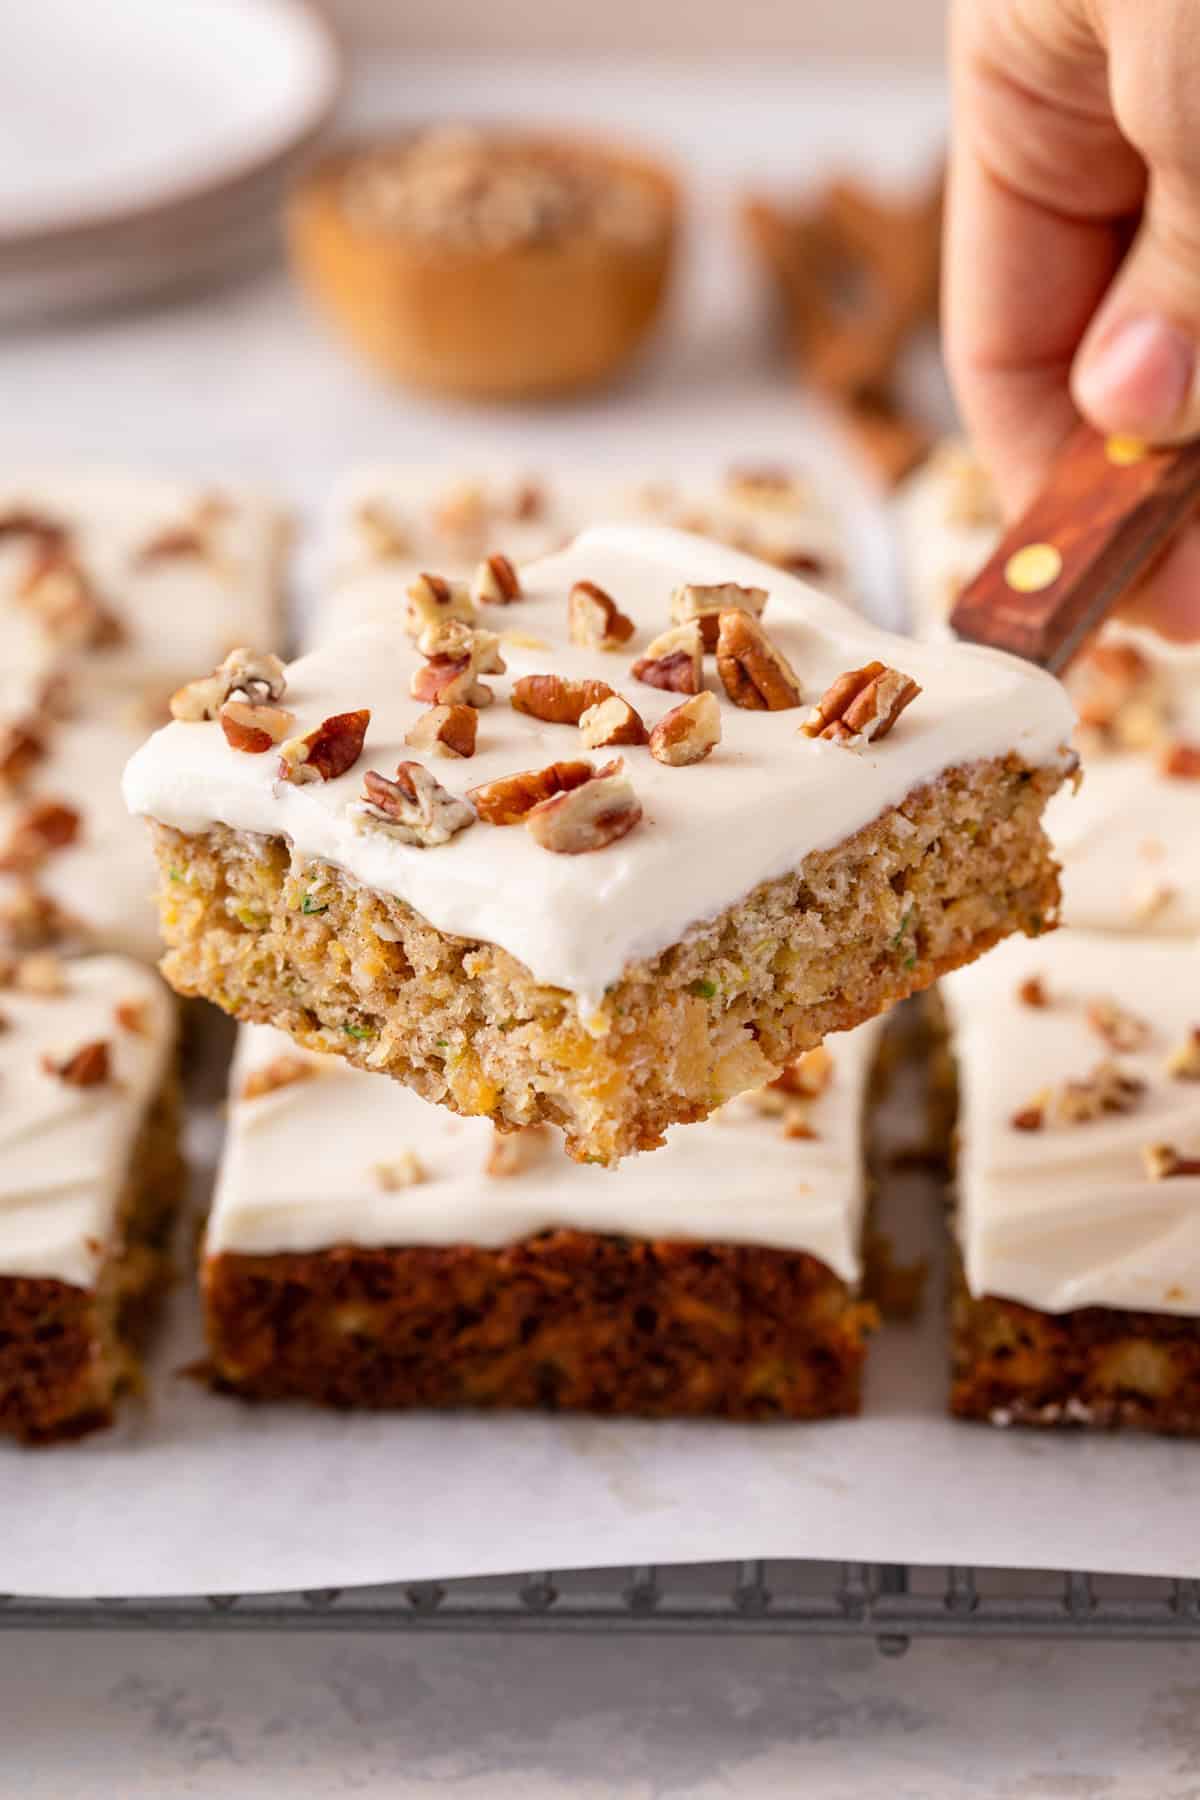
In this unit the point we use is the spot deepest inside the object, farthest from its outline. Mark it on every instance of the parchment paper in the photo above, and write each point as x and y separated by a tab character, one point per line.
197	1494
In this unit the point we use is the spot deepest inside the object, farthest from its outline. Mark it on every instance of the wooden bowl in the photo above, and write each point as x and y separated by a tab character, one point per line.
479	321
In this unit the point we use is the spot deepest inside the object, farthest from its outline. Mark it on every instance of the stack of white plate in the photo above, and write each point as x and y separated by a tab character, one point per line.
146	145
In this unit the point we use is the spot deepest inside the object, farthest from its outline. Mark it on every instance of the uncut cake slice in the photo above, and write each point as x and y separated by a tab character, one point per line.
90	1177
367	1249
1078	1183
468	868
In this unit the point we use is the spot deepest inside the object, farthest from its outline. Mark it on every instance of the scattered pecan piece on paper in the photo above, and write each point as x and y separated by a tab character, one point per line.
413	807
1034	992
753	672
611	723
22	747
133	1016
586	818
674	661
282	1071
706	604
1163	1162
555	700
496	582
510	798
1183	1061
1107	1089
89	1066
595	620
328	751
688	733
445	731
861	706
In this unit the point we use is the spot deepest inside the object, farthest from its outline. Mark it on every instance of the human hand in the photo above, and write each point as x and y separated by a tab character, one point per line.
1072	276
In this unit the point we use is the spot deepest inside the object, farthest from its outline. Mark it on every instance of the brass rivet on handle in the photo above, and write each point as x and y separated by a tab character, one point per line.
1033	567
1123	450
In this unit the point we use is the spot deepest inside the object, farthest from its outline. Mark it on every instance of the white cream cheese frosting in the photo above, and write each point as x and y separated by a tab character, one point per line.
103	883
300	1169
186	570
1066	1216
65	1151
749	813
1129	841
385	524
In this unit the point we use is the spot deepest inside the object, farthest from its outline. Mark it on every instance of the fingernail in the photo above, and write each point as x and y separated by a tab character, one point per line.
1137	376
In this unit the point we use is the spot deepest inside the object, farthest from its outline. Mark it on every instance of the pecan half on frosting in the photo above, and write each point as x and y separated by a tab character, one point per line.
861	706
753	672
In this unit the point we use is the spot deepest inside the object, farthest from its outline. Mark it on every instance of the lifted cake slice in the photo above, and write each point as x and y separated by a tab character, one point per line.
465	868
367	1249
90	1177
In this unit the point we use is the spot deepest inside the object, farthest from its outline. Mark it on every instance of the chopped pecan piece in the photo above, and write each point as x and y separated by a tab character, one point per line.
327	752
1183	1063
445	731
753	672
404	1171
529	501
595	620
282	1071
1180	761
22	747
776	488
30	918
688	733
1029	1118
496	582
555	700
133	1016
706	604
1108	1089
44	826
86	1067
513	1152
861	706
385	536
415	807
254	729
1120	1028
586	818
172	544
255	676
610	723
511	798
432	599
674	660
457	657
1163	1162
22	522
1033	992
1119	694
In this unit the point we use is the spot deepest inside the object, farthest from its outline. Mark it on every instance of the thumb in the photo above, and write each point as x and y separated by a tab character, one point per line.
1138	368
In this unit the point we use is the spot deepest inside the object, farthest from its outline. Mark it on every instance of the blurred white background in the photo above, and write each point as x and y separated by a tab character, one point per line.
907	30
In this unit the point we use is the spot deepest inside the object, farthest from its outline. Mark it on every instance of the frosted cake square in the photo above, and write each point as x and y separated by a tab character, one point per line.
1078	1183
368	1249
387	524
551	860
90	1178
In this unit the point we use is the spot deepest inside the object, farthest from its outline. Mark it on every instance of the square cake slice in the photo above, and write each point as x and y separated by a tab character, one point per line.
388	524
1128	844
128	583
90	1178
1078	1183
551	860
368	1249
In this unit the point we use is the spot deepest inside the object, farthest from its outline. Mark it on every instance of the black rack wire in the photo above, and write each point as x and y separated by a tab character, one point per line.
891	1603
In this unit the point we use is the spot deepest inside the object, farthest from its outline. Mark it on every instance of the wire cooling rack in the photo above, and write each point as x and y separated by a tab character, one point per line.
889	1602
